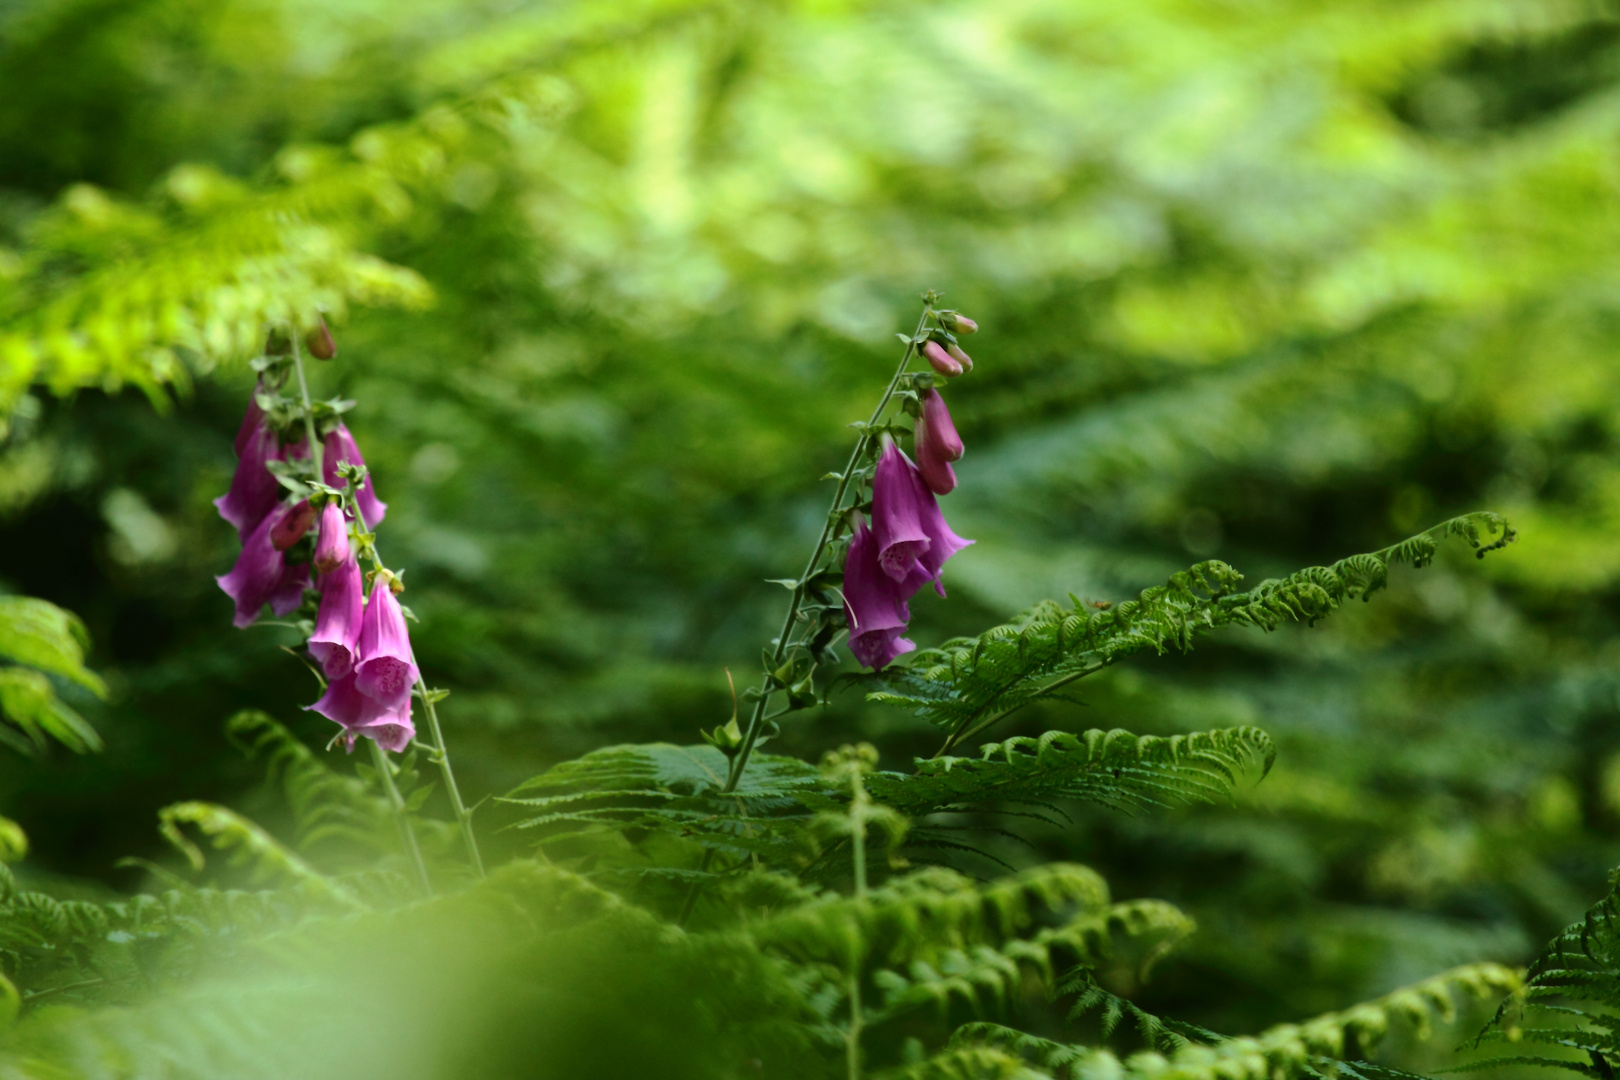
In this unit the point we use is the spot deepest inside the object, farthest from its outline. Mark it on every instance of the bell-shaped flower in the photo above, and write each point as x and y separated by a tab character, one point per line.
942	542
362	715
896	523
873	604
262	574
937	444
292	526
386	670
332	544
336	640
251	422
941	361
254	490
340	447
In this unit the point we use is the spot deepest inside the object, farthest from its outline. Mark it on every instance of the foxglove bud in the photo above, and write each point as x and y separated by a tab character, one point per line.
958	323
340	447
292	526
332	545
386	671
337	625
942	439
319	341
936	473
941	361
955	352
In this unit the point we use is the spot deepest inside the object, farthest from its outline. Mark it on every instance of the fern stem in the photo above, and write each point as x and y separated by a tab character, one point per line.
961	736
385	772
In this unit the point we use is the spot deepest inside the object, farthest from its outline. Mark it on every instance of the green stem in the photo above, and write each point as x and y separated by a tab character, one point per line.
961	736
379	756
858	803
441	758
385	772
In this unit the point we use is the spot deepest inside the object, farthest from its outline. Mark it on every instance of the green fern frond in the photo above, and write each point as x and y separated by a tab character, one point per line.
968	684
1279	1053
1114	768
1159	1033
248	845
966	1063
43	639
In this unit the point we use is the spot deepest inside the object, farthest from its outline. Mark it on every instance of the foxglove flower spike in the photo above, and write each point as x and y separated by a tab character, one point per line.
340	447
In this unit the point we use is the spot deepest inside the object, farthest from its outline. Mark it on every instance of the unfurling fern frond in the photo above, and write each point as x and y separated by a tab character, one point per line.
968	684
1580	970
248	845
1279	1053
662	789
1114	768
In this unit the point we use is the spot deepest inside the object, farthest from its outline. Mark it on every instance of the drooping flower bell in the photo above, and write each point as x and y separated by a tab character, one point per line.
362	715
937	444
251	421
262	574
386	671
873	604
340	447
913	538
955	352
336	641
941	360
254	489
332	543
292	526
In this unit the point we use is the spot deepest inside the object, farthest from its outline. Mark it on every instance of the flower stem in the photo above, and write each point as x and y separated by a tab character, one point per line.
385	773
441	758
378	754
756	719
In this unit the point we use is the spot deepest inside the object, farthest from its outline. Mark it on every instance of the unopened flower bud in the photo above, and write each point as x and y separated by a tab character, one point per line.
319	341
960	357
960	324
332	546
936	433
940	361
291	527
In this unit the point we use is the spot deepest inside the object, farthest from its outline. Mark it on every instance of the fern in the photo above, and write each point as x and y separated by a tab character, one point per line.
1158	1033
1570	1002
967	685
249	846
1114	768
1279	1053
43	640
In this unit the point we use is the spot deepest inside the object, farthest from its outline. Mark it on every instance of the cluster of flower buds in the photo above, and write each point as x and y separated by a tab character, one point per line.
908	541
361	645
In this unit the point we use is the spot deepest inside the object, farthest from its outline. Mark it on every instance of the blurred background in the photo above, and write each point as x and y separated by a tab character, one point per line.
1267	282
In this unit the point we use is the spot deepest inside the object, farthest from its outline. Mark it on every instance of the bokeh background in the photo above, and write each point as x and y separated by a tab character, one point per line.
1261	281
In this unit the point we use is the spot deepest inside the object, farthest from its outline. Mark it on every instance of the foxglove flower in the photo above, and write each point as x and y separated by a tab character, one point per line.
332	545
941	360
937	444
340	447
386	672
262	574
292	526
362	715
254	489
251	421
336	640
873	604
913	537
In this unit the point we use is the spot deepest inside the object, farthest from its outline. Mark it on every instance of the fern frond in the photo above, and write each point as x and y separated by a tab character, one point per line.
1279	1053
966	1063
44	639
968	684
248	845
1114	768
1159	1033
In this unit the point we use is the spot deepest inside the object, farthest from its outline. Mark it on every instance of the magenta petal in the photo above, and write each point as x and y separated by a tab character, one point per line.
250	422
289	594
393	732
940	430
254	490
359	714
386	670
332	543
942	542
337	625
260	573
873	603
901	540
340	447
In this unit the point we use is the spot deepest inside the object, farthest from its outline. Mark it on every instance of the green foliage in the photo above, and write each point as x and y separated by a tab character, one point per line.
43	639
965	686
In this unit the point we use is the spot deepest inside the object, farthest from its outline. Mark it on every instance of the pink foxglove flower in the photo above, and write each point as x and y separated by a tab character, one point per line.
332	545
873	604
262	574
336	640
913	537
292	526
386	671
340	447
254	489
941	360
251	421
362	715
937	444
